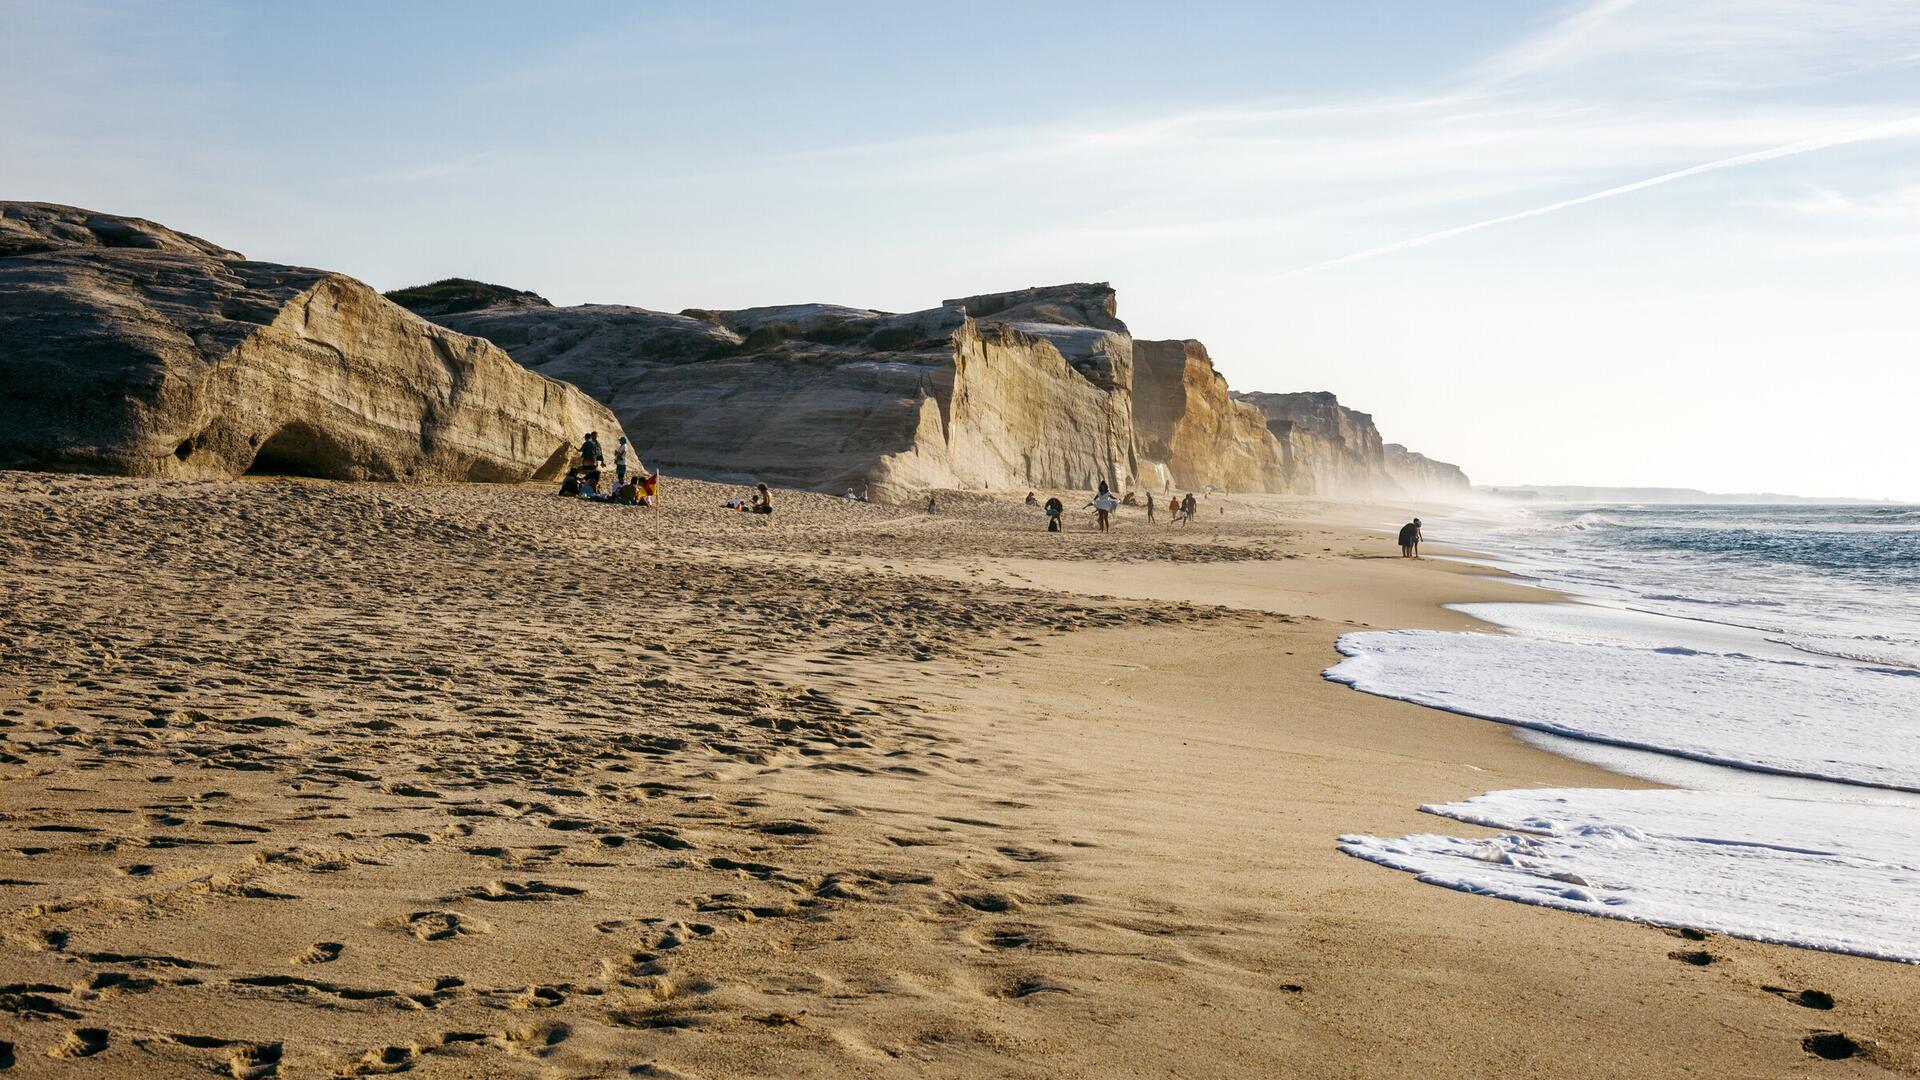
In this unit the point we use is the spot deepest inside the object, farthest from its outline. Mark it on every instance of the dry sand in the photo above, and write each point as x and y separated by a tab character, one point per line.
307	779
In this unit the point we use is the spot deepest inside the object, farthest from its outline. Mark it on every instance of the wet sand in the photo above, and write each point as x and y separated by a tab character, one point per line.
309	779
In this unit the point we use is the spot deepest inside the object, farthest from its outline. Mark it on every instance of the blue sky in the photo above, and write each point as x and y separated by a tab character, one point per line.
1297	185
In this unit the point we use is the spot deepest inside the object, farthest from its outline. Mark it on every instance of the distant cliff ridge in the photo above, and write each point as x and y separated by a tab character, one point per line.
1333	450
1042	387
1418	473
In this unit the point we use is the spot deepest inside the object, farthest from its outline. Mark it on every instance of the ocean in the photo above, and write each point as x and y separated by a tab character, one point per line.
1764	660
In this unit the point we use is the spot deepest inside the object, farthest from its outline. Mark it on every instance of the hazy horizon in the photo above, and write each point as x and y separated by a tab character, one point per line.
1609	243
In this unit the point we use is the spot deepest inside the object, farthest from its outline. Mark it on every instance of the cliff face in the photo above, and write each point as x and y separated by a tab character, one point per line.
1419	474
1023	389
1189	430
128	348
1035	388
1329	448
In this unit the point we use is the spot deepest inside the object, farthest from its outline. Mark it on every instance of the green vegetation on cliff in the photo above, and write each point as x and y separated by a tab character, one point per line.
449	296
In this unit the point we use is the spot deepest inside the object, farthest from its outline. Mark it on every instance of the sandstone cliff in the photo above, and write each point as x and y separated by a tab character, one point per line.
1419	474
1034	388
1189	430
127	347
1010	390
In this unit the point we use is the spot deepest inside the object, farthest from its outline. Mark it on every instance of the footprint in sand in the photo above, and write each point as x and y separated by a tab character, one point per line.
440	925
243	1060
1830	1045
1806	999
324	952
29	1001
504	891
79	1043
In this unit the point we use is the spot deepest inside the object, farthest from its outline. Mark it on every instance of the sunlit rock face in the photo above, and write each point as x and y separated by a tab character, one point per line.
130	348
1022	389
1189	430
1039	388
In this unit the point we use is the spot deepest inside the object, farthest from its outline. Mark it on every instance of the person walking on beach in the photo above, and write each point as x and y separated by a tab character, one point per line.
1410	539
1189	506
1104	504
1150	501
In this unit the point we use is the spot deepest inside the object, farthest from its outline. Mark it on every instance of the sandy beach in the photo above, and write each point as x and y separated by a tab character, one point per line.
307	779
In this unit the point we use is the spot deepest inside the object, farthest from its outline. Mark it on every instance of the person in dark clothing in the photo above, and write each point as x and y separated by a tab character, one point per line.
1189	506
1410	539
571	485
590	450
1055	508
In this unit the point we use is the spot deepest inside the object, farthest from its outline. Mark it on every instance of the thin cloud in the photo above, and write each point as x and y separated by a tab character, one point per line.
1557	43
1894	129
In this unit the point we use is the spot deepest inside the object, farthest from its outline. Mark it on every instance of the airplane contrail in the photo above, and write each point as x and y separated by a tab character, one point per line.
1866	134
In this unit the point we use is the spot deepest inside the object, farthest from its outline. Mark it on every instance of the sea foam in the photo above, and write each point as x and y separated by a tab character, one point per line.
1839	876
1833	721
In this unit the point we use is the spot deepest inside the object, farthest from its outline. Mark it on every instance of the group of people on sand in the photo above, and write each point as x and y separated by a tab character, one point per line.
586	475
1105	503
760	502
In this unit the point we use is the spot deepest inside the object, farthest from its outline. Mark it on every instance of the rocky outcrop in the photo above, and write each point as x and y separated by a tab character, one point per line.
1189	431
1010	390
1418	474
1328	448
128	348
1035	388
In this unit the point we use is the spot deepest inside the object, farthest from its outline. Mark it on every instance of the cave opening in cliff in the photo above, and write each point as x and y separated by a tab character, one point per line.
301	450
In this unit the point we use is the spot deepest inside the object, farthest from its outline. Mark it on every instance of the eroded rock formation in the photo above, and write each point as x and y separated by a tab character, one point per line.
1419	474
1189	430
1330	449
127	347
1036	388
1021	389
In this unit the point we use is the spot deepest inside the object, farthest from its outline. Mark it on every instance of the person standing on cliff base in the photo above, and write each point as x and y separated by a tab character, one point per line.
1410	539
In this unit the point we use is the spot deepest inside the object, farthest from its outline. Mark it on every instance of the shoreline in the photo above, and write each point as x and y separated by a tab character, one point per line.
837	794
